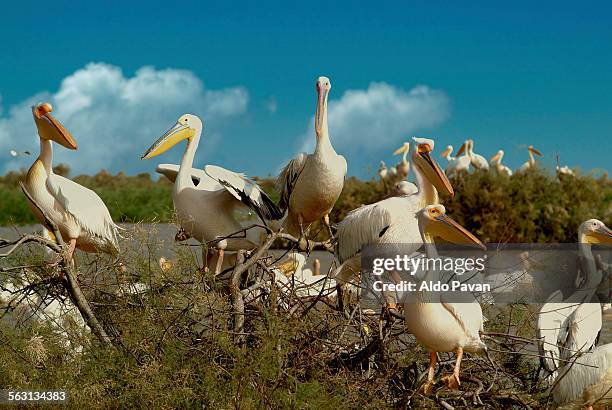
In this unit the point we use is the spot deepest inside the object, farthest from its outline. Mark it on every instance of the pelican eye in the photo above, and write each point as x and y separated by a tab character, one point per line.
424	148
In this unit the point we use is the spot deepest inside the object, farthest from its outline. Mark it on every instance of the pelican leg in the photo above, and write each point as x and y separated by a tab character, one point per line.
219	266
303	241
428	386
452	380
328	243
71	249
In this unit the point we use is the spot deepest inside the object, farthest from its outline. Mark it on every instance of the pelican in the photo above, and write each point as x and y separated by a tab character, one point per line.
310	184
80	215
531	163
405	188
403	167
565	170
205	200
436	323
478	161
19	153
382	171
458	164
496	164
586	381
558	316
391	220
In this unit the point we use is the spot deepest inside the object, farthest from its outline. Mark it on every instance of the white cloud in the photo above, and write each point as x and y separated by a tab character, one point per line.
364	124
115	118
272	105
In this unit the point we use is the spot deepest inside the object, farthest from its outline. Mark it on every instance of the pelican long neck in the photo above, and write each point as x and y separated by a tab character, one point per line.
593	276
184	175
431	275
46	155
324	145
428	194
531	158
404	160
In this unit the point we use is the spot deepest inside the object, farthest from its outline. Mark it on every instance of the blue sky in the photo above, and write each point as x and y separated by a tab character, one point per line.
507	76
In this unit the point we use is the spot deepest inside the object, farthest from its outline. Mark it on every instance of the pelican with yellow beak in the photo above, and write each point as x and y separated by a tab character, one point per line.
80	215
392	220
532	162
496	163
205	201
403	167
310	184
437	323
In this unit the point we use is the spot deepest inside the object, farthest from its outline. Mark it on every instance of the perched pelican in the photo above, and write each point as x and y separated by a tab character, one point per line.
558	316
405	188
496	164
458	164
382	171
531	163
478	161
19	153
310	184
205	200
403	167
565	170
436	323
585	381
79	213
392	220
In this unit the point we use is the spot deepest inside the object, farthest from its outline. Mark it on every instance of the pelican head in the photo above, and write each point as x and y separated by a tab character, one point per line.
447	151
534	151
404	148
185	128
594	231
323	86
498	157
420	156
435	223
462	148
49	128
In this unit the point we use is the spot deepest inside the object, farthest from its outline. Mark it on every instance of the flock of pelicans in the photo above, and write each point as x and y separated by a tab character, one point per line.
205	202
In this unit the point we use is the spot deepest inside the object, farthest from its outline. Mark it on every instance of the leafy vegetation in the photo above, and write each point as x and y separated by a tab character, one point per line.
529	207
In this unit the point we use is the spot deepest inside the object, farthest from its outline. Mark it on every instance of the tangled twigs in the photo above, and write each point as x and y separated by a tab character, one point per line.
237	299
69	275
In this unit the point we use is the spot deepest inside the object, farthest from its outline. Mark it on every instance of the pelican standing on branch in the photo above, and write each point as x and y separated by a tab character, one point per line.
477	160
531	163
437	323
573	321
458	164
495	163
205	200
80	215
310	184
392	220
403	167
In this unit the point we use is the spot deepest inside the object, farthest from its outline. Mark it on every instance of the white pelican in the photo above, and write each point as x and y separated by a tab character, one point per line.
437	323
382	171
310	184
79	213
531	163
392	220
405	188
557	316
587	381
403	167
458	164
18	153
477	160
496	164
205	200
565	170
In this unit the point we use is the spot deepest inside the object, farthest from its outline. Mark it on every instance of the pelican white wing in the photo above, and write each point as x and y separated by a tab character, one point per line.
86	207
551	322
246	191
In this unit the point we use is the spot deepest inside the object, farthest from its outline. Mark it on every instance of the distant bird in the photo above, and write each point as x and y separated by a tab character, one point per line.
80	215
405	188
18	153
382	171
460	163
558	315
436	322
565	170
205	209
477	161
310	184
531	163
403	167
495	163
391	220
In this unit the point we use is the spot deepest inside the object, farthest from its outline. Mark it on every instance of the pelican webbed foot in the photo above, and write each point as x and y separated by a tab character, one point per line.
451	381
